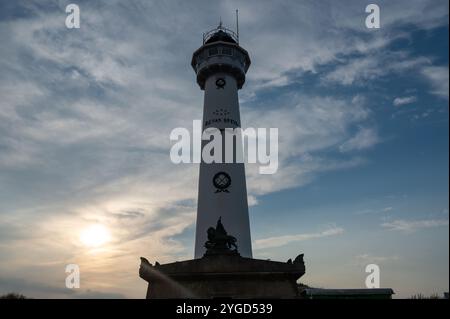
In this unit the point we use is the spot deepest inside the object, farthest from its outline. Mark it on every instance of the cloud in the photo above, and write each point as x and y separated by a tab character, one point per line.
363	139
413	225
361	70
398	101
375	211
438	78
278	241
365	259
366	68
294	47
308	126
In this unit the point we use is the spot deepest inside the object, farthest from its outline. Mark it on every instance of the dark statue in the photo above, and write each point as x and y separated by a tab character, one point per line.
299	259
219	241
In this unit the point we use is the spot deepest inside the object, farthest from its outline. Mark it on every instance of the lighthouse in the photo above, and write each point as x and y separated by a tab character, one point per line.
223	266
221	65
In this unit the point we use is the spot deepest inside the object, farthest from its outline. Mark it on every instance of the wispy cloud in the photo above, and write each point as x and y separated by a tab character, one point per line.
438	78
365	138
398	101
365	259
360	71
308	126
284	240
413	225
375	211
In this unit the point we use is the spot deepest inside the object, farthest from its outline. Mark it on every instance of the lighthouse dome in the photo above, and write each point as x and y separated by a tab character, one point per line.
220	35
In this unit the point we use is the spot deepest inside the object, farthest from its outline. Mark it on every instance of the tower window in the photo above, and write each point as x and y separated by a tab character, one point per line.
227	51
213	51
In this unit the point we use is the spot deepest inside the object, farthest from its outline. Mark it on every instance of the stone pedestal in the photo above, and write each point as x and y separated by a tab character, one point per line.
223	275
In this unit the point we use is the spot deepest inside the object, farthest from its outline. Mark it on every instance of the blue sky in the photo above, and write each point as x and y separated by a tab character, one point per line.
85	117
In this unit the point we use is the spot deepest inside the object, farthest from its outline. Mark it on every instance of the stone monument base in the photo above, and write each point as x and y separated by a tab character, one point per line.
223	275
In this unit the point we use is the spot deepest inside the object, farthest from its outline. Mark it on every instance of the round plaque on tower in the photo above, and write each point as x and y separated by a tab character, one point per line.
222	181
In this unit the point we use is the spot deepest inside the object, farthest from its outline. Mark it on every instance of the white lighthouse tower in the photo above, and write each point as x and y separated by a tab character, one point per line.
221	64
218	270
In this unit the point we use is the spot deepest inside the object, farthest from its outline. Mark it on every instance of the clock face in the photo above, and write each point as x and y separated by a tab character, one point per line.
222	180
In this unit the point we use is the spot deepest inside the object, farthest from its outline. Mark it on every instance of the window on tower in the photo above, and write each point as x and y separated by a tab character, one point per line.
213	51
227	51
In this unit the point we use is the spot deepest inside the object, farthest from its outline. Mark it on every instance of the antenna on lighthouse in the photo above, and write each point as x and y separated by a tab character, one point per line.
237	24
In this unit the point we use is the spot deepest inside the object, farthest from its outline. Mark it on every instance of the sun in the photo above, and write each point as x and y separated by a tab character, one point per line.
95	235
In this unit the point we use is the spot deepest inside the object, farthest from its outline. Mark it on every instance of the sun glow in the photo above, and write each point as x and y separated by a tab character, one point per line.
95	235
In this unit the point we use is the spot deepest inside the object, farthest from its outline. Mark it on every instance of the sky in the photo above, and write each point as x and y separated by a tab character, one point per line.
86	114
